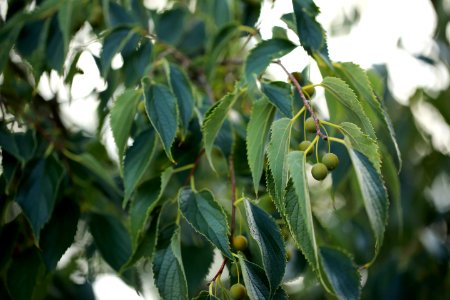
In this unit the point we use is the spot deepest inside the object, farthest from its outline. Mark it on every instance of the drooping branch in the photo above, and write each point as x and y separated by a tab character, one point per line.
305	101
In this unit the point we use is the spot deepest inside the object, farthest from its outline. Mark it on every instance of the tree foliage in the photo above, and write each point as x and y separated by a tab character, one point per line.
207	146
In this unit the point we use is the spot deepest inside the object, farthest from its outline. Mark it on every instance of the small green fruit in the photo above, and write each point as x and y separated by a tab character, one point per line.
234	271
308	91
240	243
304	145
310	125
238	291
319	171
141	107
297	76
330	160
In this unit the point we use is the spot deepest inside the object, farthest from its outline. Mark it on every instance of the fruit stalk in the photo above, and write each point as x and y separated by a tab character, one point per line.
305	101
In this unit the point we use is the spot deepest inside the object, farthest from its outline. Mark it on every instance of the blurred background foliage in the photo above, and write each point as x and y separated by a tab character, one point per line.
48	38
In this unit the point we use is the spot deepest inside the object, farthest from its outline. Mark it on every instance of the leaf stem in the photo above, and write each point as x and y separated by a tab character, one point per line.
194	167
305	101
331	124
333	139
298	114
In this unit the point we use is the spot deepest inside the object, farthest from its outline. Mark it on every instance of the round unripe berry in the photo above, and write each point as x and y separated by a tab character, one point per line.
310	125
304	145
240	242
319	171
330	160
141	107
308	91
238	291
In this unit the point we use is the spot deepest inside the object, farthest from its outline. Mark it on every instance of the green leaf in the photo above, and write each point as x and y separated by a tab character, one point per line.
257	134
255	280
263	54
298	208
92	164
65	22
220	42
270	242
37	193
170	278
359	81
214	118
311	34
341	272
169	24
277	155
23	274
21	145
206	216
111	238
8	38
113	44
182	89
145	200
137	63
122	116
161	107
373	193
361	142
337	90
279	94
59	232
137	160
55	46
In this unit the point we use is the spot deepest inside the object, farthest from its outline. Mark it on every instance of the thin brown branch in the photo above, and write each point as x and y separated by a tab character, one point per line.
220	271
194	168
305	101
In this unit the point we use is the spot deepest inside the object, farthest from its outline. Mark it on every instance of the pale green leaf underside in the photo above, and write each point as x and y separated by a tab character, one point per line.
213	121
361	142
359	81
337	90
298	208
122	116
270	242
277	155
206	216
257	133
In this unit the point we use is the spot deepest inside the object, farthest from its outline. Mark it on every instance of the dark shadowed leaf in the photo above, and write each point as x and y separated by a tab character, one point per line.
341	272
161	107
137	159
111	238
279	94
257	134
270	242
206	216
255	279
37	193
263	54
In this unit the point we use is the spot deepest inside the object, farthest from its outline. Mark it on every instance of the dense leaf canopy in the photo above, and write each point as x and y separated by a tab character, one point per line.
205	147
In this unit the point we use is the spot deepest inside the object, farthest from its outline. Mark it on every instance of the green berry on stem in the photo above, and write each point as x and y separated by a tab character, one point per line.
305	145
308	91
240	243
330	160
310	125
238	291
319	171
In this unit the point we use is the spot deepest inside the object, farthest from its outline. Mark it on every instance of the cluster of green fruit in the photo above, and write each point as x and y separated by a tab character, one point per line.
329	160
238	290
